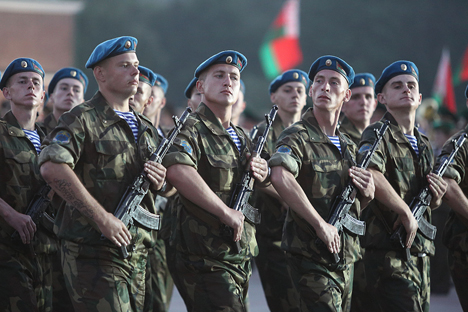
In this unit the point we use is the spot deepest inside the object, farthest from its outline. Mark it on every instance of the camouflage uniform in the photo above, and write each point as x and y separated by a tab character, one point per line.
208	274
49	123
393	283
24	269
94	141
305	151
271	260
455	235
347	127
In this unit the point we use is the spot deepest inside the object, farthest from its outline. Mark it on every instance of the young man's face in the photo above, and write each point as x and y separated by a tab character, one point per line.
290	97
401	92
194	100
120	74
139	101
156	104
25	89
68	93
329	90
362	104
220	84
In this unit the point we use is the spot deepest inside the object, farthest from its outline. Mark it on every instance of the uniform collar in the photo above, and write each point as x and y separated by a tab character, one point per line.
210	120
14	128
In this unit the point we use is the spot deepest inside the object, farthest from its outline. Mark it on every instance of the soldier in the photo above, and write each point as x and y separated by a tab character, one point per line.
23	272
359	109
192	94
288	92
211	158
66	89
456	229
91	157
401	167
143	97
312	163
239	107
153	110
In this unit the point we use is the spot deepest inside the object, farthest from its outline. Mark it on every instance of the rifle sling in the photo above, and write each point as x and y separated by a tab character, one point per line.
147	219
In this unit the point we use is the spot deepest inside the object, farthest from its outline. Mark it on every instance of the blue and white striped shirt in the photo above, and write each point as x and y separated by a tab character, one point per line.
336	141
234	137
414	142
130	118
34	138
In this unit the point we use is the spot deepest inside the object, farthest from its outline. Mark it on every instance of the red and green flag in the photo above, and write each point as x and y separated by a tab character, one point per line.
443	91
280	50
462	73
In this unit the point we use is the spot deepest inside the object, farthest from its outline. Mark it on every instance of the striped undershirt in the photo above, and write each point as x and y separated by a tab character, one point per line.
414	142
34	138
234	137
336	141
130	118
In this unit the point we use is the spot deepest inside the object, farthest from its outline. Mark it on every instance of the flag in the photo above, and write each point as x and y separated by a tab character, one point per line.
462	73
443	91
280	49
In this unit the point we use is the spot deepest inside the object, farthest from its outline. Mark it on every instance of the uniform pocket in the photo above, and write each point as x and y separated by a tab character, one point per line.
222	169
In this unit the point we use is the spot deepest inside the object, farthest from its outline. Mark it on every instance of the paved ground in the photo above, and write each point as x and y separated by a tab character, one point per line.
439	303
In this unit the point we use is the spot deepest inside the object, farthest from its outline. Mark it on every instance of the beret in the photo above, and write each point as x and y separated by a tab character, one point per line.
146	75
395	69
68	72
110	48
21	65
288	76
190	86
229	57
363	80
332	63
162	83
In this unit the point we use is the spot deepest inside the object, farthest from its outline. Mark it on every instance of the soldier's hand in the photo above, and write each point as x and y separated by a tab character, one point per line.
156	174
259	168
235	220
114	230
24	225
438	187
364	181
411	227
329	235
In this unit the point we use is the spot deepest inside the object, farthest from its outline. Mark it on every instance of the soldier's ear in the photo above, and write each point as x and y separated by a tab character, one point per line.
6	93
98	72
200	86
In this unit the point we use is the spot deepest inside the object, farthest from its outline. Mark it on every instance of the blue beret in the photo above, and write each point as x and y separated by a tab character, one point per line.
242	87
162	83
191	85
332	63
146	75
110	48
21	65
288	76
68	72
395	69
363	80
229	57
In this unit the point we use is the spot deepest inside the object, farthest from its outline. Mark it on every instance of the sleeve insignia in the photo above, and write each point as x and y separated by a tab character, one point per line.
186	146
284	149
364	148
62	137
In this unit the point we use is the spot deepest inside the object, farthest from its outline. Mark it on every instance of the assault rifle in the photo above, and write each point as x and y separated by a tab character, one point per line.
340	216
243	190
422	200
129	209
36	210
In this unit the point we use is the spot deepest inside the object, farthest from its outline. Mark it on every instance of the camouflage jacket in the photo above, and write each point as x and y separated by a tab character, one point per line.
49	123
406	173
322	172
456	228
347	127
21	178
273	217
205	145
101	149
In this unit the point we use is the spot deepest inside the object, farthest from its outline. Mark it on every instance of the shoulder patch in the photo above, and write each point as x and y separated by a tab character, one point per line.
284	149
365	147
186	146
62	137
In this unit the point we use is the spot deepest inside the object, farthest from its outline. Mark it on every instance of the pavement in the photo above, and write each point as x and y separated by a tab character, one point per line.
439	303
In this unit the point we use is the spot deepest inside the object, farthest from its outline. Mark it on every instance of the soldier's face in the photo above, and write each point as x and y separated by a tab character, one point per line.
195	99
25	89
157	104
401	92
121	74
329	90
362	104
290	97
68	93
239	106
139	101
221	85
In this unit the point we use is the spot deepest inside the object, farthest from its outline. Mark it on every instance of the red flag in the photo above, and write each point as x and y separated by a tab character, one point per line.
463	73
280	50
443	90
